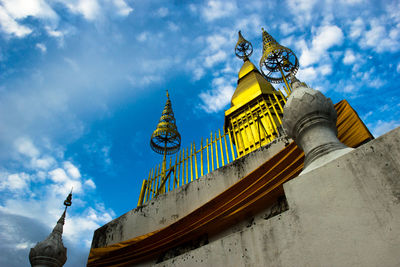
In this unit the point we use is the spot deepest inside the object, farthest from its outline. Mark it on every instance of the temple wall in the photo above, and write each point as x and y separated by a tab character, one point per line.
167	208
344	213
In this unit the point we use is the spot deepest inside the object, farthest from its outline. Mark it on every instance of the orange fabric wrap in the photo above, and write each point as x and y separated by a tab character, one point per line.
249	195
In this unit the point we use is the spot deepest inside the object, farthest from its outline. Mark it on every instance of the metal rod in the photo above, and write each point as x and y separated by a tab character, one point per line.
216	151
212	152
175	166
195	161
191	162
141	196
283	97
276	113
208	158
220	146
283	75
201	157
231	143
279	104
226	147
187	166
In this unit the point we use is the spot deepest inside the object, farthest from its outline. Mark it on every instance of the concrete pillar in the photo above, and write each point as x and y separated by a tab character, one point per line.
310	119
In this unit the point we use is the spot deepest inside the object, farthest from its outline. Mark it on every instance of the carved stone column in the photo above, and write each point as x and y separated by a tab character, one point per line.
310	119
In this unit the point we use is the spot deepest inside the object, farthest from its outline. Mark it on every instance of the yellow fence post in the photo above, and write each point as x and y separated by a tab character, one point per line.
175	170
187	166
283	97
208	158
212	152
201	157
195	161
216	150
279	103
191	162
231	143
220	146
276	113
226	148
141	196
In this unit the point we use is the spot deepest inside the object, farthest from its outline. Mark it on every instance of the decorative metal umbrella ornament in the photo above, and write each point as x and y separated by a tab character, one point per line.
277	62
165	139
243	48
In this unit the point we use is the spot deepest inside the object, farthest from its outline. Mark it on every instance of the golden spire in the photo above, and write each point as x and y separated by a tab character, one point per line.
243	48
277	62
165	139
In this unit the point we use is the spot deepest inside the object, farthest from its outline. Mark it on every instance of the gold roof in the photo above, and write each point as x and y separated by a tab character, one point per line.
250	85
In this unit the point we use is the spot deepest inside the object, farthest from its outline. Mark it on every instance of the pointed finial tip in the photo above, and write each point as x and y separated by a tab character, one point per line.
167	93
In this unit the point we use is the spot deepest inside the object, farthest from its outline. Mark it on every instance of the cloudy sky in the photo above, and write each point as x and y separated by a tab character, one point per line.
82	86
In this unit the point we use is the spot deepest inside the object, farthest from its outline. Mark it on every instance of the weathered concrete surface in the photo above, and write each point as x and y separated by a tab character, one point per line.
166	209
344	213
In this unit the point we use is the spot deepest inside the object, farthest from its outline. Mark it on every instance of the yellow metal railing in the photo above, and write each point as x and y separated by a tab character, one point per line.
249	132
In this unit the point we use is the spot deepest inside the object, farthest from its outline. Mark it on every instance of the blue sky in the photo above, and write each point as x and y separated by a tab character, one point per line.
82	87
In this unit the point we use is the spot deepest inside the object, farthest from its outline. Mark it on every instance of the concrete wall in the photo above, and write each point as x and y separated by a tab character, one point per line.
345	213
167	208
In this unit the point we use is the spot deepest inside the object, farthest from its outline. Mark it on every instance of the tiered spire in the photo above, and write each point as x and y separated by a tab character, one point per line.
277	62
51	251
165	139
243	48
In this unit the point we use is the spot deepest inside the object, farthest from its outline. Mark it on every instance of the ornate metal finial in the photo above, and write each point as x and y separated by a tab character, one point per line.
277	61
68	200
165	139
51	251
243	48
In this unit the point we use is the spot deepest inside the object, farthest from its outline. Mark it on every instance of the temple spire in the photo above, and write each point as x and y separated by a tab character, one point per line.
243	48
51	251
277	62
165	139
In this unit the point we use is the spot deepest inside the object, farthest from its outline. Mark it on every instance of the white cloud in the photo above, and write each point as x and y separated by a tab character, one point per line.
307	74
162	12
20	9
13	12
349	57
382	127
198	73
72	170
90	9
219	96
90	183
123	9
172	26
379	38
398	68
25	147
357	28
215	9
58	175
10	26
41	47
53	32
14	182
215	58
286	28
143	37
302	9
43	163
326	37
